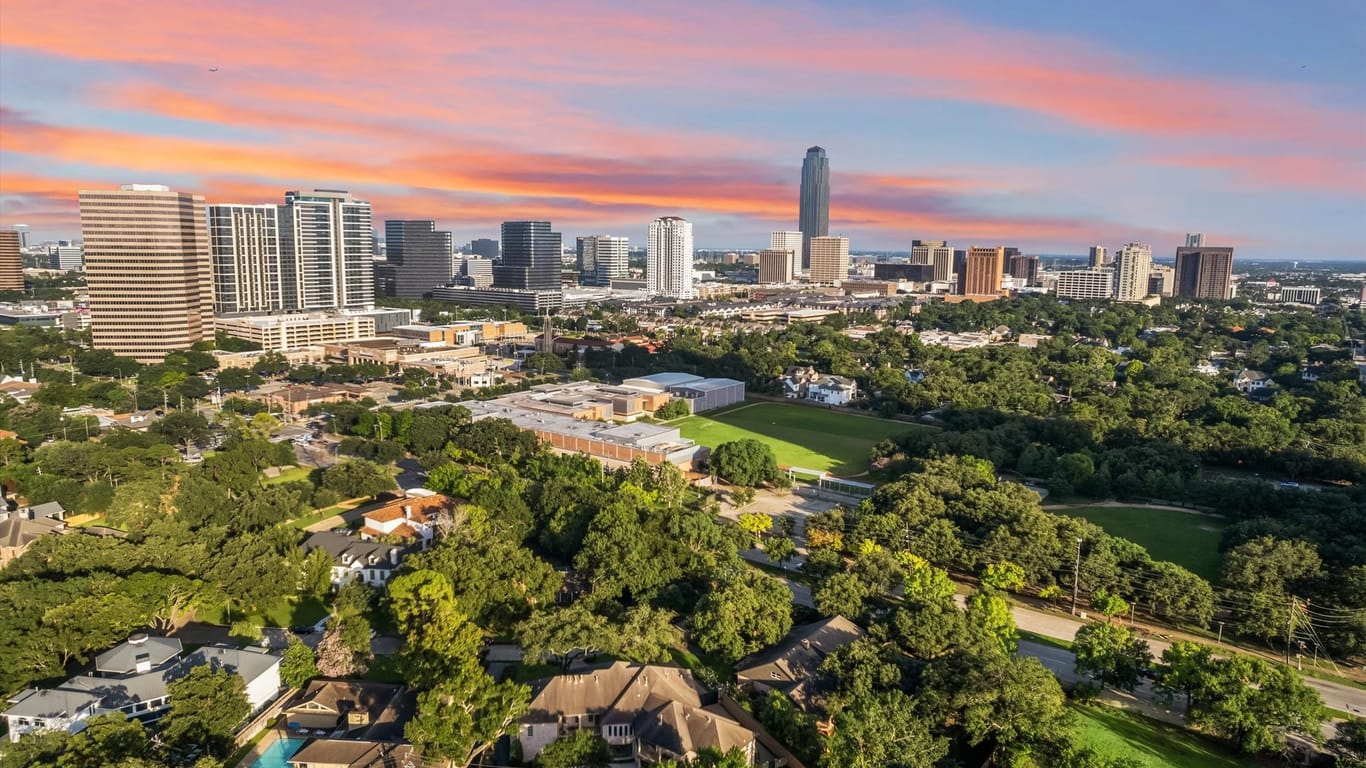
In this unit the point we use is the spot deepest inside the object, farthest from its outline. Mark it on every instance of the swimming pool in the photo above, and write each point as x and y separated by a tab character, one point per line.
278	753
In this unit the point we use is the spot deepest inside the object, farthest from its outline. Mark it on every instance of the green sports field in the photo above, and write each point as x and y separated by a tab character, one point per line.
800	435
1116	733
1191	541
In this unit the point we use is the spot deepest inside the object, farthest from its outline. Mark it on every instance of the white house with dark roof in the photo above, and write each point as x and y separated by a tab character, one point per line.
806	383
51	709
370	562
1249	381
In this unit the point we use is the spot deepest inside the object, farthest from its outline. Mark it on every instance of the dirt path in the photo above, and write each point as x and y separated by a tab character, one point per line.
1187	510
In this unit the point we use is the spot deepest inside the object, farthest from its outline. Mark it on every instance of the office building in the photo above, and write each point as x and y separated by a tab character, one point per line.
1088	284
602	259
1132	269
1204	273
1100	256
531	257
23	232
11	261
1024	267
474	271
535	302
420	256
248	267
328	244
1301	295
777	265
1195	240
302	329
913	273
1161	280
148	270
829	259
67	258
789	241
668	259
485	248
982	271
813	216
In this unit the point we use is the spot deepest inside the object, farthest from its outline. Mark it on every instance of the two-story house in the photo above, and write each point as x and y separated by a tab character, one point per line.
412	520
806	383
353	558
647	714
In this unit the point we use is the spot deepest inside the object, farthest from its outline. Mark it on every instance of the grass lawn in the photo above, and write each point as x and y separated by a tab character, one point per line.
1117	733
1191	541
288	475
287	612
800	435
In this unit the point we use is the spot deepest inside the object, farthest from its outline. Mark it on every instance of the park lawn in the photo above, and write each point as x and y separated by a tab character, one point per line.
288	475
1189	540
1116	733
800	435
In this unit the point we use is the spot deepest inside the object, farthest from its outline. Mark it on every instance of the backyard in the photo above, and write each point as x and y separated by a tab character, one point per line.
1187	539
800	435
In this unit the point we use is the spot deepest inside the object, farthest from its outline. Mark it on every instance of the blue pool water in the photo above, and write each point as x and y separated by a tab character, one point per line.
278	753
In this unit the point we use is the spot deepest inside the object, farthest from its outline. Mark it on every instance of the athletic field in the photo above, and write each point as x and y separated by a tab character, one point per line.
1189	540
800	435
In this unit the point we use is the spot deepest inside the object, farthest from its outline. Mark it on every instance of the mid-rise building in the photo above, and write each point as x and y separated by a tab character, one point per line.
982	271
420	256
777	265
1132	268
668	261
485	248
303	329
937	253
1161	280
11	261
915	273
1100	256
1024	267
1088	284
148	270
248	267
531	257
602	259
474	271
1300	295
1204	273
829	259
789	241
813	216
328	244
67	258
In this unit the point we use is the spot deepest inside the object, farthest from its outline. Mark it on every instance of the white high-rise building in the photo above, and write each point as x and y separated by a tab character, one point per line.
248	273
327	240
1132	267
1086	284
789	241
68	258
829	259
668	262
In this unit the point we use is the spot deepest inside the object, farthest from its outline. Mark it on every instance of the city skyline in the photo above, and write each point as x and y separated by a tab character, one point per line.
1216	125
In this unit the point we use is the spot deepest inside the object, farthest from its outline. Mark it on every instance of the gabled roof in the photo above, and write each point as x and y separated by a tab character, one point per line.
686	731
798	658
50	703
348	550
18	532
357	754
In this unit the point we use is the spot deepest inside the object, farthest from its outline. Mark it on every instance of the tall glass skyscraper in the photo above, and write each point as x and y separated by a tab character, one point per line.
531	257
813	217
420	255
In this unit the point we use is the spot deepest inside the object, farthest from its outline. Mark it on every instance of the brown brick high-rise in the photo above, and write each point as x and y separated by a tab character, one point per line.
11	262
148	269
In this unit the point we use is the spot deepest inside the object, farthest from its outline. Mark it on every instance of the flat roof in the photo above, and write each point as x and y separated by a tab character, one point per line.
668	378
711	385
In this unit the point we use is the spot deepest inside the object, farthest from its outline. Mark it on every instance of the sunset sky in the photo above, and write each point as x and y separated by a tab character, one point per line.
1049	125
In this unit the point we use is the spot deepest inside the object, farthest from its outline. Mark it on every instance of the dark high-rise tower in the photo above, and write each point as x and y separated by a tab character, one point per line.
1204	273
420	255
531	257
813	216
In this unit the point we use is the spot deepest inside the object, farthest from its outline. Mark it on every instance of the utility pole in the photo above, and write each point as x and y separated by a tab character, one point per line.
1221	633
1289	627
1076	577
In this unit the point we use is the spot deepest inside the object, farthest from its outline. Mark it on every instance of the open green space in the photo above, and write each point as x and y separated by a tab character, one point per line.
800	435
1189	540
288	475
1117	733
285	612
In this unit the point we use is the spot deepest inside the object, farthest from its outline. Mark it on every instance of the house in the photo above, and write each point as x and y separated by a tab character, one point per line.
352	709
353	558
133	678
805	383
411	520
793	666
1249	381
647	714
49	710
341	753
1206	368
20	528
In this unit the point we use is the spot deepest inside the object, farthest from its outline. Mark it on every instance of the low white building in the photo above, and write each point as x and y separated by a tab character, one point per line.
1248	381
807	384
